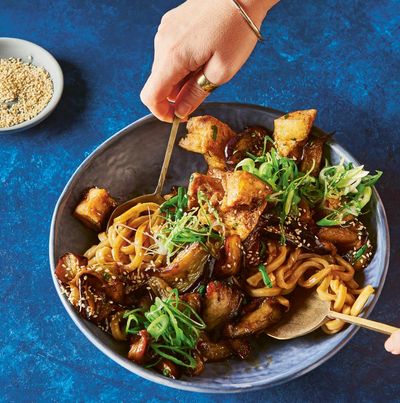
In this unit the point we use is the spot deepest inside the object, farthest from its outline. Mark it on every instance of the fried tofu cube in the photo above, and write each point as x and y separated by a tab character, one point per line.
95	208
208	136
241	221
291	132
245	200
211	187
244	189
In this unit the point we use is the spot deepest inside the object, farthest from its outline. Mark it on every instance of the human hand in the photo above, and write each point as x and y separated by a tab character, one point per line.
208	35
393	343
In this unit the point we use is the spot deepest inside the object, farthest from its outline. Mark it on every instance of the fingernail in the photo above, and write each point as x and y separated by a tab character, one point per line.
389	346
182	110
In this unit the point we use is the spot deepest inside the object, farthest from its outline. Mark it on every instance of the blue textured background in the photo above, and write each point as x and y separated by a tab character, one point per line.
341	57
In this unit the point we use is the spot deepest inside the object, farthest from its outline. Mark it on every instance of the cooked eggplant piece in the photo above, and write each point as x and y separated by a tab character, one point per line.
93	304
360	257
214	351
68	266
240	346
200	365
296	233
211	187
139	347
159	287
221	304
329	247
221	350
251	140
291	132
255	322
313	152
115	290
208	136
252	248
228	263
95	208
186	268
168	368
344	238
193	299
305	212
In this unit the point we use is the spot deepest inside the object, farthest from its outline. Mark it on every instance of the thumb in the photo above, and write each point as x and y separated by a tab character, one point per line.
393	343
192	95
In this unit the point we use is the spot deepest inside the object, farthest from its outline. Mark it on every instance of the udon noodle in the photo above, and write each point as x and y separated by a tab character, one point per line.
130	242
332	276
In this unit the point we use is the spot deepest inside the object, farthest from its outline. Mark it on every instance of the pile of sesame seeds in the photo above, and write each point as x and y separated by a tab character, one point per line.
25	90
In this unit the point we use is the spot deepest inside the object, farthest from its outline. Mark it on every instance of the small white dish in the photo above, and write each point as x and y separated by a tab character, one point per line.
30	52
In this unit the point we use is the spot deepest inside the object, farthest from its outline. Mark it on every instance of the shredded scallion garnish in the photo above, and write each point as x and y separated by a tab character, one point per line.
183	227
360	252
263	270
351	186
173	325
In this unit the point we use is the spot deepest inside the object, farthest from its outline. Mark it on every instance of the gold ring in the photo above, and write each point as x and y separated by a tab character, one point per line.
205	84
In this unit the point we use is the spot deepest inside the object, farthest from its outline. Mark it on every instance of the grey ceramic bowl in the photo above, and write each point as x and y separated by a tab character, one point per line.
128	164
30	52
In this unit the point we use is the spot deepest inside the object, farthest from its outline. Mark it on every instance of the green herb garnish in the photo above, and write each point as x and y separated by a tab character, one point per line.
184	227
202	289
175	206
214	132
282	175
352	186
263	270
173	325
360	252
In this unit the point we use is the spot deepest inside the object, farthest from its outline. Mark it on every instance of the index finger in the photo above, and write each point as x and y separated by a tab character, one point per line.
162	82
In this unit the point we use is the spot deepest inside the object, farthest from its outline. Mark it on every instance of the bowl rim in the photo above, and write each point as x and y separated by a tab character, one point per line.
180	384
57	90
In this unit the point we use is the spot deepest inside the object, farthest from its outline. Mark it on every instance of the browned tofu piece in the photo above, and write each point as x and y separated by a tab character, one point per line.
291	132
208	136
242	221
95	208
245	200
211	188
244	189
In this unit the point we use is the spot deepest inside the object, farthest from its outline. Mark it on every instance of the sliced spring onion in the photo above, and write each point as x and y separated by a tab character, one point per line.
360	252
184	227
351	185
160	350
173	325
202	289
214	132
263	270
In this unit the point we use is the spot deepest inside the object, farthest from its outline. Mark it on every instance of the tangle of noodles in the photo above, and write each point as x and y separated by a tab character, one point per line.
129	240
333	277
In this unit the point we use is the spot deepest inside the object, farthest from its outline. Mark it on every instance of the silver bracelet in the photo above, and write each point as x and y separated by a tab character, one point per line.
248	20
